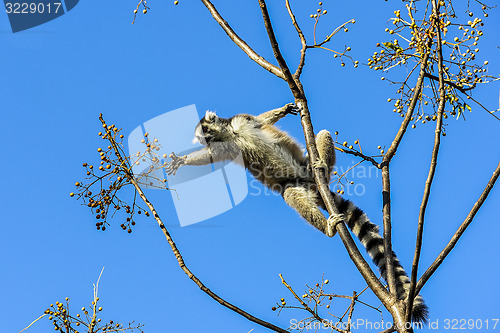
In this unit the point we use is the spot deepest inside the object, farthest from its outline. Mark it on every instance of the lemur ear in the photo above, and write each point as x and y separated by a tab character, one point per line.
209	115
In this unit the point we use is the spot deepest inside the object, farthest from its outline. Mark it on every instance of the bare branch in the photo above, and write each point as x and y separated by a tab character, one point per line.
359	154
34	321
127	168
302	41
241	43
485	109
432	169
454	240
329	37
349	317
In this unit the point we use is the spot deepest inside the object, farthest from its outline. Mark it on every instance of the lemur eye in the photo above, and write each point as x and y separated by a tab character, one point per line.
204	128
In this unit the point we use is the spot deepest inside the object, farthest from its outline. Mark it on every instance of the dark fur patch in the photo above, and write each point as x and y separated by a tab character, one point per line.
356	214
365	228
376	259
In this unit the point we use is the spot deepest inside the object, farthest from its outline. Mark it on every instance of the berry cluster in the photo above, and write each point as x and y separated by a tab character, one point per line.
417	37
101	189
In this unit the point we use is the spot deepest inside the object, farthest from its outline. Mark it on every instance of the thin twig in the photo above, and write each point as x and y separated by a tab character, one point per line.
302	41
349	317
456	237
432	168
34	321
93	322
359	154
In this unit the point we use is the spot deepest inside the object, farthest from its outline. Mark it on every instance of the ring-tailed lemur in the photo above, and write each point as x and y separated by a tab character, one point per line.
277	161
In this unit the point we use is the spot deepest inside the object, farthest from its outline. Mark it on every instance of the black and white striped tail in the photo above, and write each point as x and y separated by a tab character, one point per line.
369	236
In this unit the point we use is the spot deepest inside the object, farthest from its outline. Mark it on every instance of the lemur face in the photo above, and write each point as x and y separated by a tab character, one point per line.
207	129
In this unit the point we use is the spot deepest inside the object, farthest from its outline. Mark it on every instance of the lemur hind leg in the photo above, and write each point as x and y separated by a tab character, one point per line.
305	201
326	150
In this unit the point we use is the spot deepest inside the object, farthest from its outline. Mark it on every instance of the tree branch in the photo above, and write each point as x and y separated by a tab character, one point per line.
241	43
386	210
127	169
454	240
432	169
351	310
359	154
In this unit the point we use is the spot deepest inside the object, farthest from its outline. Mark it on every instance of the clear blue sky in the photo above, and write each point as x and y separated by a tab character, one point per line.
57	78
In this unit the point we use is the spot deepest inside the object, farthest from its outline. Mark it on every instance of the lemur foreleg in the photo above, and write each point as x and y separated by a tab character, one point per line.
214	152
272	116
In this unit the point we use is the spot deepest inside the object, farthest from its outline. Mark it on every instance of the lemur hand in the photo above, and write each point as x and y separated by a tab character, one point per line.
291	108
176	162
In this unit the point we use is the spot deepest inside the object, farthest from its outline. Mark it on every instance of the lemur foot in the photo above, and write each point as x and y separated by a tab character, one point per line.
332	222
176	162
291	108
